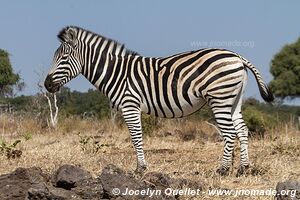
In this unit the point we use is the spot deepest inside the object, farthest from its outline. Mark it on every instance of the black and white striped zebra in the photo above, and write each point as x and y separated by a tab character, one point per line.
168	87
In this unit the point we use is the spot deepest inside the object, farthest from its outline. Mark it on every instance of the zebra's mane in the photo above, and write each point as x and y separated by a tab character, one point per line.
63	34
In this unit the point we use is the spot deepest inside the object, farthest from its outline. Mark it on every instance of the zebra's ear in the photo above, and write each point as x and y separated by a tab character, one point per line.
68	35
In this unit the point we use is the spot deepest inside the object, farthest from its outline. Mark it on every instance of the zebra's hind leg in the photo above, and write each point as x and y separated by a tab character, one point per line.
242	130
132	117
224	121
242	133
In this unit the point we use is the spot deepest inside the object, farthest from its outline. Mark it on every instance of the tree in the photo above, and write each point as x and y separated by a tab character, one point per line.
91	102
285	67
8	79
52	103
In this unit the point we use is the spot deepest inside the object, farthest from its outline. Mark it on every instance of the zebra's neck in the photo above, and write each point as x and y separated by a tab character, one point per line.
105	62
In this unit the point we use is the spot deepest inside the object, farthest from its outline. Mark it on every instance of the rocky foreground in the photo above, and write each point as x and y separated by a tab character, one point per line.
71	182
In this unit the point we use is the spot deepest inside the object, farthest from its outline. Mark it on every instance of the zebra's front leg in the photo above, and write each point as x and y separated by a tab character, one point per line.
132	117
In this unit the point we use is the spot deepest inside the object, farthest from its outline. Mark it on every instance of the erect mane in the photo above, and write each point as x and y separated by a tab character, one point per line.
62	35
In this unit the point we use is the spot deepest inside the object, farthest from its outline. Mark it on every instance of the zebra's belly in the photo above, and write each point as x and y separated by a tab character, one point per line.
173	110
187	109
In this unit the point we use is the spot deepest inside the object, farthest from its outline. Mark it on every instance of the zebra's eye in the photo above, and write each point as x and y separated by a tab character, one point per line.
67	49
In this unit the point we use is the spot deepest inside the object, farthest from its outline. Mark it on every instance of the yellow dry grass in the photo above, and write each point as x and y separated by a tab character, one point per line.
273	159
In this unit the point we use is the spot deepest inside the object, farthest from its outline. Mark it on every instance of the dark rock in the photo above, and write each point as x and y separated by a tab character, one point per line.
115	182
113	177
16	184
68	175
32	184
288	190
48	192
39	191
161	181
89	189
158	179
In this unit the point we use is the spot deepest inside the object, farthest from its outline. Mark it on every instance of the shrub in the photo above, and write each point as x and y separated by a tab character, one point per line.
257	121
10	149
27	136
90	144
150	124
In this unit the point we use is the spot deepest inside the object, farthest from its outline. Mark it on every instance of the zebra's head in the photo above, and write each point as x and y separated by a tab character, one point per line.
67	61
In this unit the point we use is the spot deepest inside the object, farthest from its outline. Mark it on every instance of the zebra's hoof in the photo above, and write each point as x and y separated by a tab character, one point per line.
140	170
242	170
223	171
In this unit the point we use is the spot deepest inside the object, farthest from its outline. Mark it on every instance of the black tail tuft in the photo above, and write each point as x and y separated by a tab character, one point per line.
266	94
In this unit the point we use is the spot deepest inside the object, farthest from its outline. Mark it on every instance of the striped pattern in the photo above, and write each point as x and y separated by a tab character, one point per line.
170	87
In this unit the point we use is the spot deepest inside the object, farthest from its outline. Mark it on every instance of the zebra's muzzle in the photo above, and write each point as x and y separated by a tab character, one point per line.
50	85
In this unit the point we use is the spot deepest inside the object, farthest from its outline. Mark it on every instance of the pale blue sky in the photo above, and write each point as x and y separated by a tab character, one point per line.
256	29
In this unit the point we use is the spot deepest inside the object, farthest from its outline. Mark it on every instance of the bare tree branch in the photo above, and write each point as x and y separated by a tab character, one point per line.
53	113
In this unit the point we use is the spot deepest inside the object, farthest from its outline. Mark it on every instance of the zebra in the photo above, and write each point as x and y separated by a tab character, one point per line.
167	87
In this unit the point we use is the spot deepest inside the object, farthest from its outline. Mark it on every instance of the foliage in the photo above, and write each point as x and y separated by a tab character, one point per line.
78	103
204	114
10	149
27	136
150	124
260	117
86	104
8	79
22	102
280	113
255	121
90	144
285	67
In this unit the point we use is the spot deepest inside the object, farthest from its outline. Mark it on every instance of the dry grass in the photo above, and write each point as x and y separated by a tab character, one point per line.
93	144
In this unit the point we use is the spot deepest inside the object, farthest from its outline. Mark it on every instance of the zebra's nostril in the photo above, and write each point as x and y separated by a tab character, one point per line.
48	82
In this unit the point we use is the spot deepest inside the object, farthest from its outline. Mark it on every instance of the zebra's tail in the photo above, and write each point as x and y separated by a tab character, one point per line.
264	90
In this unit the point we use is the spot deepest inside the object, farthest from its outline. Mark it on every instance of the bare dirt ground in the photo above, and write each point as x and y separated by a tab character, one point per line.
183	149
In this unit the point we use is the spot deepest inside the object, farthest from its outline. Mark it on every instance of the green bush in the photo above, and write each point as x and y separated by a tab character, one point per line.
79	103
90	144
10	149
257	121
150	124
27	136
